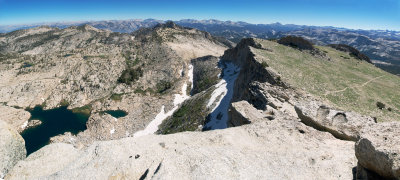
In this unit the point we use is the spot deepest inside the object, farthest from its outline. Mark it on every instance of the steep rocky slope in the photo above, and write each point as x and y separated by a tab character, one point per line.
338	78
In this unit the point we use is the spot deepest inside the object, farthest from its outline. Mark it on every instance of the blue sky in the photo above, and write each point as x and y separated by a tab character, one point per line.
356	14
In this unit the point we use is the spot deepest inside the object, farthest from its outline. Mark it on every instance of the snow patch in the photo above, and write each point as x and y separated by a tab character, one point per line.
381	62
112	131
221	90
153	126
179	99
190	74
23	126
224	90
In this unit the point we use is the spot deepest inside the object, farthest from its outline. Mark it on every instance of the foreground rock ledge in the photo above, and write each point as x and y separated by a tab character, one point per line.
12	148
343	125
279	149
378	150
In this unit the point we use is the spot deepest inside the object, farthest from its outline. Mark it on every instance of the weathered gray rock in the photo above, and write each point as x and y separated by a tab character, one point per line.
243	113
264	95
343	125
16	118
378	150
365	174
12	148
33	123
251	68
47	160
279	149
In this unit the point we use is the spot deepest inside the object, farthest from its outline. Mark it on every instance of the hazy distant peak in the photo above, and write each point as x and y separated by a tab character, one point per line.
168	24
44	27
87	27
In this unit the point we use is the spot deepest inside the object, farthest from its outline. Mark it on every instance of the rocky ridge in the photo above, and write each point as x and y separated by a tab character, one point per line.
380	45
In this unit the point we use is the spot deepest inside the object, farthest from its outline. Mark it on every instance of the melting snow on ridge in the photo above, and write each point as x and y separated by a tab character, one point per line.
179	98
191	76
224	90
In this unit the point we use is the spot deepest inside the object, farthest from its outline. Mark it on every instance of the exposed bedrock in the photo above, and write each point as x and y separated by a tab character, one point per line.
251	68
16	118
343	125
378	150
279	149
242	112
12	148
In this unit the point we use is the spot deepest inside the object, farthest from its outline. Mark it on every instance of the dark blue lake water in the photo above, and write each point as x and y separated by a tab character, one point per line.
116	113
54	122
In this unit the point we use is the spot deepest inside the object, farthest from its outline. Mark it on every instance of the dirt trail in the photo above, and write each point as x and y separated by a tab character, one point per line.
357	86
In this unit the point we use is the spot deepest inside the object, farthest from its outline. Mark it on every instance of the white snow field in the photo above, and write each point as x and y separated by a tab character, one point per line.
222	96
152	127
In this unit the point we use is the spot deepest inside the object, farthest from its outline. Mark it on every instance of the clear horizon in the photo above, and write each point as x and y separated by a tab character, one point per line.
351	14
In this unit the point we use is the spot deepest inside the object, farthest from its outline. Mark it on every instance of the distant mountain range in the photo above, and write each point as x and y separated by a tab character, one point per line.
383	47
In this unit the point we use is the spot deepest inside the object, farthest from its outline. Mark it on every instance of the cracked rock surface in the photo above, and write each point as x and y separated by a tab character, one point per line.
280	149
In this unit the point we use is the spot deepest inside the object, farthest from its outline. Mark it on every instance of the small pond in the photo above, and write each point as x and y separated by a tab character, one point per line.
54	122
116	113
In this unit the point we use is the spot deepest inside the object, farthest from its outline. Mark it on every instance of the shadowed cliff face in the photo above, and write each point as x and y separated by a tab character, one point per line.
251	69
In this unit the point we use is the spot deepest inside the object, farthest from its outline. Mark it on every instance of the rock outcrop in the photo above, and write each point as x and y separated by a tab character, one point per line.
352	51
242	112
16	118
33	123
343	125
12	148
43	164
272	97
252	70
378	150
251	66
